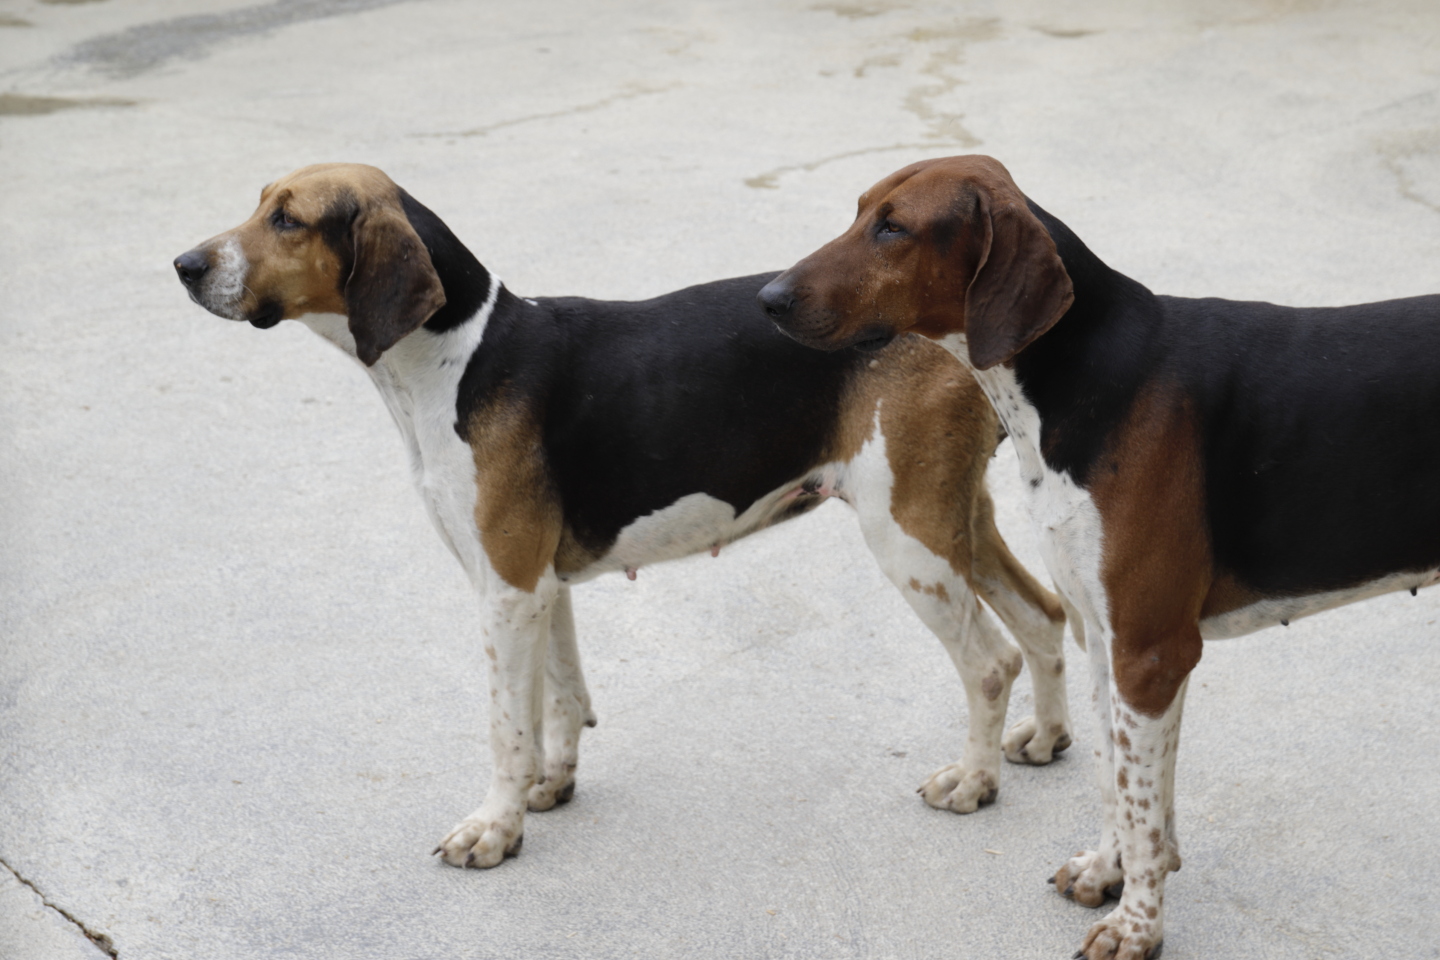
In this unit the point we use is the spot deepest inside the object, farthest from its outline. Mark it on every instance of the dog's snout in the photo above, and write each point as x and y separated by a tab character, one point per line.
777	299
191	267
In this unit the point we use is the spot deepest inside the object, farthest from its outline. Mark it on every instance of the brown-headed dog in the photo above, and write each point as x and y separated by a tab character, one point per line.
1179	457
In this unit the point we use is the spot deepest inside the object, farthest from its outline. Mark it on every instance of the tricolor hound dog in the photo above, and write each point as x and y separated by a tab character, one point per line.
554	440
1196	469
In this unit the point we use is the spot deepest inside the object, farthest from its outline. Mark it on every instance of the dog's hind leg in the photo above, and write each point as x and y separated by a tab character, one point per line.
1036	618
566	709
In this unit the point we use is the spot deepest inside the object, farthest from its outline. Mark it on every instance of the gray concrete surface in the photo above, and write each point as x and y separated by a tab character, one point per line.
238	690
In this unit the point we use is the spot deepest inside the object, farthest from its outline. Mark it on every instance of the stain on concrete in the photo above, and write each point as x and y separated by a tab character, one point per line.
131	52
677	42
980	28
20	105
860	10
1413	158
947	50
10	20
1065	34
883	60
69	3
630	93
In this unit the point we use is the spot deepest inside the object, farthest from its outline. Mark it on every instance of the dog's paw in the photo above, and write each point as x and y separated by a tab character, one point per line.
1122	937
960	790
1089	877
477	842
1026	743
552	792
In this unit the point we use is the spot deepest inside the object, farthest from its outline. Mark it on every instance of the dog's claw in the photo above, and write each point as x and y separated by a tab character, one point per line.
1050	879
469	859
436	850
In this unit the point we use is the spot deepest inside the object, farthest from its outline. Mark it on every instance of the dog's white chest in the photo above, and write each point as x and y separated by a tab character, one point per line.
418	379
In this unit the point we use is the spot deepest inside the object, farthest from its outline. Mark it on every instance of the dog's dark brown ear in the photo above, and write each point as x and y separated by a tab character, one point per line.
1020	287
393	287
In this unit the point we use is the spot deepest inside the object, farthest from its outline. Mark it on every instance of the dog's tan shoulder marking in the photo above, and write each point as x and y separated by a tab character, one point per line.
517	511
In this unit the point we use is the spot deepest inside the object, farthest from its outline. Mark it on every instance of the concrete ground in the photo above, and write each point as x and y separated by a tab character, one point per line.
239	698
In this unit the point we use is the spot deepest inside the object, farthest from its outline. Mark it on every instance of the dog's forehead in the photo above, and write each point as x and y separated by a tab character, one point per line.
930	186
323	184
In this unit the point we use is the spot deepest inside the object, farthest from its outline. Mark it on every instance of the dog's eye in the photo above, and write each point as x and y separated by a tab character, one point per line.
284	221
890	227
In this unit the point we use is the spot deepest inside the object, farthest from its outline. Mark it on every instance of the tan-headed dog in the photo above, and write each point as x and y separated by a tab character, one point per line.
554	440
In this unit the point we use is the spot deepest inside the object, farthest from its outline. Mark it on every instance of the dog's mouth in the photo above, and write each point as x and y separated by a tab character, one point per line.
874	343
266	316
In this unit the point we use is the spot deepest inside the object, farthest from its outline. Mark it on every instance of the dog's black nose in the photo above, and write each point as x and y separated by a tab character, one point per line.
776	299
191	267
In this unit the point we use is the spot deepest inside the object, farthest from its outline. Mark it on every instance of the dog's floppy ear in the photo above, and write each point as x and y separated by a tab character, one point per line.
393	287
1020	287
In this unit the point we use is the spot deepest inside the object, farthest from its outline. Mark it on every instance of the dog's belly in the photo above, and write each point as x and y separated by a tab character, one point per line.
698	522
1273	610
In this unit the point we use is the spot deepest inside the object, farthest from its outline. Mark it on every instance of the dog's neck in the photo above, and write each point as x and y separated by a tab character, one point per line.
468	285
433	357
1060	395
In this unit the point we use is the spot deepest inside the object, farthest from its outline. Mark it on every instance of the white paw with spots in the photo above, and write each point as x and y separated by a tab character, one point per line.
1125	934
1087	877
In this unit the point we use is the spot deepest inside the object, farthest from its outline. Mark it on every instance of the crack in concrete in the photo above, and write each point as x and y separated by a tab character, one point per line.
769	179
100	940
945	48
637	90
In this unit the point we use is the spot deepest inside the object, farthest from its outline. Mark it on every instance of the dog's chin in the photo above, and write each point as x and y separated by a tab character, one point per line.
266	316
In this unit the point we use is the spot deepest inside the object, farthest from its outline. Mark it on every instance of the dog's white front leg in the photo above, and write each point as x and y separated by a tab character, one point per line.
517	627
1145	821
1090	875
